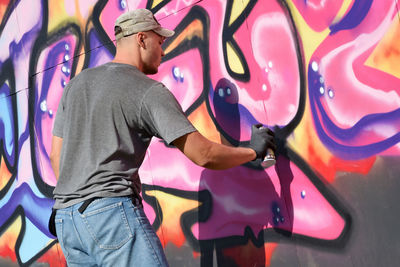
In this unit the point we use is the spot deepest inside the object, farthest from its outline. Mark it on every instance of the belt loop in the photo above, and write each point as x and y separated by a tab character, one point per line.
85	204
137	201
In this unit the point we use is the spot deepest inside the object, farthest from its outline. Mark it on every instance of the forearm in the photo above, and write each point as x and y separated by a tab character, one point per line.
220	157
55	164
208	154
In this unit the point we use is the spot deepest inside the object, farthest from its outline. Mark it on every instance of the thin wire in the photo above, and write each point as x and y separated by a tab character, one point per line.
252	52
147	152
14	93
397	7
176	12
36	138
108	43
265	112
86	52
35	133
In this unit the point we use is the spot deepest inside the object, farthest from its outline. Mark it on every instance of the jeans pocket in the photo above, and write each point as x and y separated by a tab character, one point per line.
108	226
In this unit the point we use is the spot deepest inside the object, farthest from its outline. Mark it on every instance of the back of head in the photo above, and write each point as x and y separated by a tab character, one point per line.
138	20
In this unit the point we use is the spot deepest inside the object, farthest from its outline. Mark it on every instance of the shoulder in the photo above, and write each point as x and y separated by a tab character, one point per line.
158	90
82	75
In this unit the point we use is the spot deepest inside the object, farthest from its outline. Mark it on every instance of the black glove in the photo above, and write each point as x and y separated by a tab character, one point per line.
262	138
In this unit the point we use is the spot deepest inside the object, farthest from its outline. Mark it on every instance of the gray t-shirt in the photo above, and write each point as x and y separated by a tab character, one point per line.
107	117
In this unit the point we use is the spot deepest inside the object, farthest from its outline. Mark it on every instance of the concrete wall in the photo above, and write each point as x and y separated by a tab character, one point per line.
325	74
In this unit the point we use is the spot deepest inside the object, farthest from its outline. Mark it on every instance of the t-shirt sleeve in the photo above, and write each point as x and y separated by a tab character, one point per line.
162	116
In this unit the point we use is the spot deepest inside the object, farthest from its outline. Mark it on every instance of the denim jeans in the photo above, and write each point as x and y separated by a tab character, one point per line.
110	232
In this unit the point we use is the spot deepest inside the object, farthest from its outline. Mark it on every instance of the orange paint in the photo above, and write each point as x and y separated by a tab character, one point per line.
7	252
329	169
54	256
5	174
250	255
172	208
193	29
203	123
322	160
269	250
9	238
386	55
3	7
196	254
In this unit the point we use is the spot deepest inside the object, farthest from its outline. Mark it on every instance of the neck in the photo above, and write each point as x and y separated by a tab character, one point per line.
127	55
127	60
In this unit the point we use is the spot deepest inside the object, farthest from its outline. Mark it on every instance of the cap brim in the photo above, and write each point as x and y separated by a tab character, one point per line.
164	32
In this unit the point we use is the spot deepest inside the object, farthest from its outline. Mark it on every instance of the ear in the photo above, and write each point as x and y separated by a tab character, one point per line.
140	39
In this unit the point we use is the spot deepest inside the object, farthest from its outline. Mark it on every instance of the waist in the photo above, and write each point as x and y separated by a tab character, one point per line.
96	202
67	198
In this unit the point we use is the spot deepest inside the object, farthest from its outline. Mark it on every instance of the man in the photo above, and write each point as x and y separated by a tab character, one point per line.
104	124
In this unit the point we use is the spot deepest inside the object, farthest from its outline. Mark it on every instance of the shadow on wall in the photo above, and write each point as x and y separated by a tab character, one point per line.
254	190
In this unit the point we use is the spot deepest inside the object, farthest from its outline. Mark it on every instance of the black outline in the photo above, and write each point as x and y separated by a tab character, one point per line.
270	234
227	37
42	42
203	212
157	7
7	74
19	212
195	13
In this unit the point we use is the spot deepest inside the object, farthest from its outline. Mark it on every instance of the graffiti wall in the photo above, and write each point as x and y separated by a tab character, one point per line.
323	74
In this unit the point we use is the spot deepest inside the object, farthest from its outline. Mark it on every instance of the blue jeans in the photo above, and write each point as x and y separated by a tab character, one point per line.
110	232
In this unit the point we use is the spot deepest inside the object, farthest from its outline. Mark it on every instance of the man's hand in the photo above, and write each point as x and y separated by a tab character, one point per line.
262	138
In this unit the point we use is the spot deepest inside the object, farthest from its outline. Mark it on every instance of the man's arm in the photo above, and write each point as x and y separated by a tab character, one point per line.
56	144
210	155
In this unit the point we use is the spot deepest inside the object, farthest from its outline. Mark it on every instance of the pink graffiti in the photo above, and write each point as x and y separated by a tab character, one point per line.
341	61
282	197
319	14
244	197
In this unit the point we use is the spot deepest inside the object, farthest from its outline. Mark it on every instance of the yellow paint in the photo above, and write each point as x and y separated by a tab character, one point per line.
309	38
58	15
299	141
156	3
238	7
386	55
233	59
343	10
5	174
304	139
172	208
